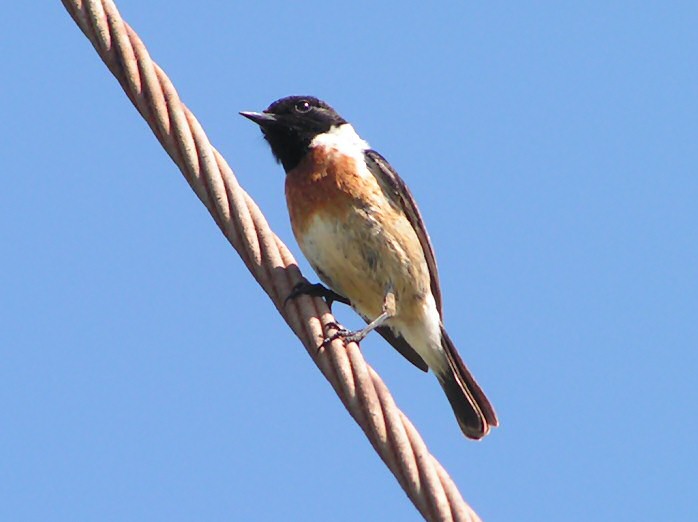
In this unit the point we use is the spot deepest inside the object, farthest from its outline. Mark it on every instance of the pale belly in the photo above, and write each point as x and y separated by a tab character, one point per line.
363	258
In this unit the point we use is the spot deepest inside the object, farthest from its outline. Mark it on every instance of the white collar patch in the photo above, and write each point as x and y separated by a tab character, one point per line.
342	138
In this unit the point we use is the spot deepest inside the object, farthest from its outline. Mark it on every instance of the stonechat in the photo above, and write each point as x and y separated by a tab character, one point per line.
358	225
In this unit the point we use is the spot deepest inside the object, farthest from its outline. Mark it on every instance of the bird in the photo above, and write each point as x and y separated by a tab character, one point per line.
358	225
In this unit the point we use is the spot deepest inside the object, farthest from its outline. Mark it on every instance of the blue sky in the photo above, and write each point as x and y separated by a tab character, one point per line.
552	151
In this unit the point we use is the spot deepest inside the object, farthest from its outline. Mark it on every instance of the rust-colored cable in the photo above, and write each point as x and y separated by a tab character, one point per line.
359	387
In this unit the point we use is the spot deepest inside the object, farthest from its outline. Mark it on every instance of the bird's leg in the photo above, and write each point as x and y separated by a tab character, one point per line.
389	311
316	290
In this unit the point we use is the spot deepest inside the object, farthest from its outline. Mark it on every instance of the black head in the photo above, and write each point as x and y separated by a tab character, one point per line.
290	124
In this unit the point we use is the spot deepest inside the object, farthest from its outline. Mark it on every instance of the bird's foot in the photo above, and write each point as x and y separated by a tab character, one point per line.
316	290
342	333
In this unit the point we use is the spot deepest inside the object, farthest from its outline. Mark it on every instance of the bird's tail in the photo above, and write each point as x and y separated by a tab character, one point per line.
473	410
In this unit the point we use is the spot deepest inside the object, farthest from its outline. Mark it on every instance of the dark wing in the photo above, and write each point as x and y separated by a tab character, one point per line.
398	192
399	343
402	347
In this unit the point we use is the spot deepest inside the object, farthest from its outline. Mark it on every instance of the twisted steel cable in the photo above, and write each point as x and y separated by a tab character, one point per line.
358	386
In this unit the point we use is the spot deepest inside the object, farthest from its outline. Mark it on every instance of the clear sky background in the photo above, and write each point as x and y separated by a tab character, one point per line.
552	150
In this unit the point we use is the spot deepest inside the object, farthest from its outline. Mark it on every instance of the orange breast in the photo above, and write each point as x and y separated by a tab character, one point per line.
323	183
358	242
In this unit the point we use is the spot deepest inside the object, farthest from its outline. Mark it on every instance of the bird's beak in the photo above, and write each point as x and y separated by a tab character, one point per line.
260	118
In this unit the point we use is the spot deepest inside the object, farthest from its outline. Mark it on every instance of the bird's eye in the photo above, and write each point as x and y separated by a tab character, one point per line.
303	106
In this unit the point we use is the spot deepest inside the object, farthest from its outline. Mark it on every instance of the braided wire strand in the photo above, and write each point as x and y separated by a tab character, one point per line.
359	387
